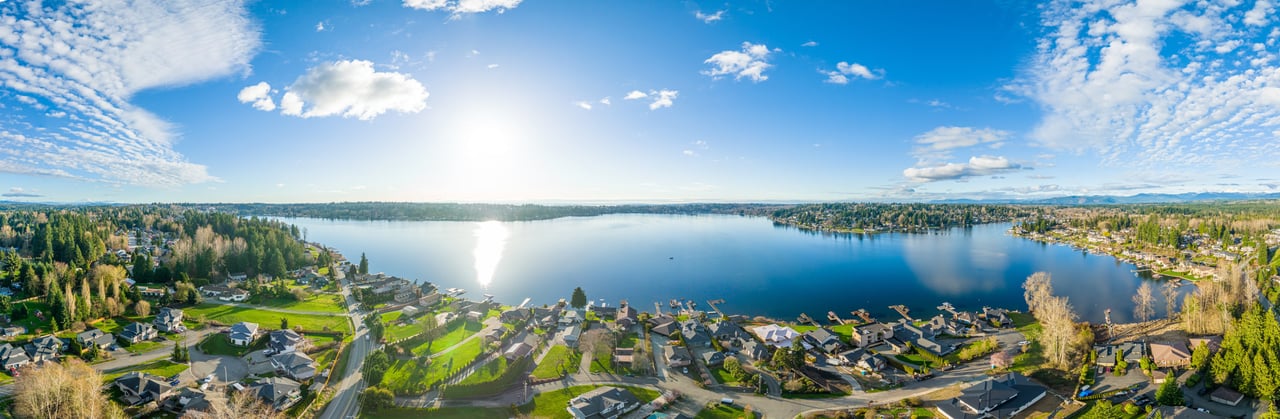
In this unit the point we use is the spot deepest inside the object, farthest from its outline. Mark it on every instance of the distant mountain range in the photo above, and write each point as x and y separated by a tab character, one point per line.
1146	198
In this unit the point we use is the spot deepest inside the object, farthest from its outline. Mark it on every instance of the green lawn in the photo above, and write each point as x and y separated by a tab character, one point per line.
551	405
319	302
32	323
457	333
409	376
163	368
628	340
401	331
1177	274
232	314
389	316
441	413
915	359
721	411
723	376
487	372
220	344
144	347
558	357
111	325
603	365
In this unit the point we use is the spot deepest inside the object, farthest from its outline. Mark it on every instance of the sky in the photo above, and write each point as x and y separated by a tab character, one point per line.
623	101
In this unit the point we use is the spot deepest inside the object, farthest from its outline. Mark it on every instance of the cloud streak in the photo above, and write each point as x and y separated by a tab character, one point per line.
462	7
750	63
71	59
976	166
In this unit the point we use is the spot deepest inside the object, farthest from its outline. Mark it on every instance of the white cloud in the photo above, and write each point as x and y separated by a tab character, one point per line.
636	94
938	143
708	18
461	7
750	62
976	166
689	153
810	44
583	104
87	59
352	89
663	99
260	95
844	69
1145	84
320	26
492	66
605	101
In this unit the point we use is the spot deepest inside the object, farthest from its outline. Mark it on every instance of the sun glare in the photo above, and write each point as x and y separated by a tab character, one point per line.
491	239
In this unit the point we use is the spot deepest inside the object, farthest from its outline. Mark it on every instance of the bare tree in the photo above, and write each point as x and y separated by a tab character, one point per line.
1144	303
1038	289
68	390
1170	294
142	308
237	406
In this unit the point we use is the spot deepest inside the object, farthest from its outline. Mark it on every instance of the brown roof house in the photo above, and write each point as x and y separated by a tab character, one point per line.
1172	354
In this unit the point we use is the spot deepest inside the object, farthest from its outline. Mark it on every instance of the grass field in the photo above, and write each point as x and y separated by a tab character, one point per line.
441	413
33	324
220	344
603	365
268	319
487	372
409	376
551	405
390	316
457	332
723	376
398	332
558	357
163	368
721	411
320	302
144	347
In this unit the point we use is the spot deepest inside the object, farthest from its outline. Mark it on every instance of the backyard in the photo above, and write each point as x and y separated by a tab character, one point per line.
551	405
559	358
163	368
232	314
408	376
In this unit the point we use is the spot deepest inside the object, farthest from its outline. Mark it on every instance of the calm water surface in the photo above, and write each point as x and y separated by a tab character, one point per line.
756	267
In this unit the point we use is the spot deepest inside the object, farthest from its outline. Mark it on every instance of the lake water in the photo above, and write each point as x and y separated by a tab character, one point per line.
758	268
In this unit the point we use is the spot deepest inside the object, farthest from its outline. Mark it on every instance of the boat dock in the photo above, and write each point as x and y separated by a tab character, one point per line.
657	308
864	315
947	307
524	303
831	315
805	319
713	303
903	310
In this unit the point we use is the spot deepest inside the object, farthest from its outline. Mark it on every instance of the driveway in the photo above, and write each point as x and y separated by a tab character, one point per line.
225	368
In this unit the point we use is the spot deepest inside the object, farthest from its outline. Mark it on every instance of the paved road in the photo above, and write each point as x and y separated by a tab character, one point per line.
126	359
344	404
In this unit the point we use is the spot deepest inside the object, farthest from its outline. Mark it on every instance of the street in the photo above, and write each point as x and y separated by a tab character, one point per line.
344	403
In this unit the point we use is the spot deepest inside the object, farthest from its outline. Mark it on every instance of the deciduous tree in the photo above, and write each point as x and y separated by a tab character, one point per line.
1144	303
67	390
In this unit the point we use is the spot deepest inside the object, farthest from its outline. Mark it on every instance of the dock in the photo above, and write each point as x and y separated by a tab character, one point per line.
525	302
713	303
657	308
864	315
947	307
805	319
831	315
904	311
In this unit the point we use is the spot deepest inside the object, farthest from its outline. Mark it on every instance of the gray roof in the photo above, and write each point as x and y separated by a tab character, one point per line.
604	398
726	329
168	315
136	329
297	364
676	353
282	338
244	330
273	389
147	386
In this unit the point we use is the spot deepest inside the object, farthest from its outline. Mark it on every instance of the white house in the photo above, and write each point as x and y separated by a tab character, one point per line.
243	333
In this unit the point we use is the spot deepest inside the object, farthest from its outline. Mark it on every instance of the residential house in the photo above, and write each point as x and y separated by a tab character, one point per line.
169	320
12	357
860	358
406	294
475	316
285	340
429	300
997	316
603	313
523	346
694	334
624	355
871	334
491	335
570	317
665	329
713	358
409	311
660	319
823	340
603	403
243	333
726	330
224	293
138	332
776	336
1171	354
294	364
945	325
626	317
570	335
187	400
1131	351
676	356
752	349
12	331
514	315
967	318
95	337
997	397
45	348
1226	396
445	318
1213	343
278	392
905	332
237	276
138	388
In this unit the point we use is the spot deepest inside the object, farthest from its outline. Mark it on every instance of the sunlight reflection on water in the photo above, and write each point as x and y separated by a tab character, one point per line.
491	239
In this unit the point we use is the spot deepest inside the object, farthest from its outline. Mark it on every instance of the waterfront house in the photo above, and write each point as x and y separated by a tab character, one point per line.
603	313
243	333
905	332
660	319
295	365
626	317
138	332
676	356
278	392
997	316
95	337
997	397
570	317
752	349
944	325
137	388
823	340
1170	354
871	334
694	334
967	318
514	315
1212	343
284	340
12	357
187	400
1132	353
570	335
169	320
776	336
713	358
726	330
603	403
665	329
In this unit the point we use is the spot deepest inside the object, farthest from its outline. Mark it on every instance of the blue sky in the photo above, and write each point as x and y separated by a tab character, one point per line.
608	101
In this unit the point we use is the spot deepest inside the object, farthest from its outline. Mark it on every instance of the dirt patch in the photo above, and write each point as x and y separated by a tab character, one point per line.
1155	330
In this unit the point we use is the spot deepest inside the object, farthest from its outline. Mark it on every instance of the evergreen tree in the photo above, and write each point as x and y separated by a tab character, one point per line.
579	298
1170	393
364	264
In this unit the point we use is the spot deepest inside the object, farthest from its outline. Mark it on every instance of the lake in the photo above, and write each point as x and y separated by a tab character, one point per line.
757	267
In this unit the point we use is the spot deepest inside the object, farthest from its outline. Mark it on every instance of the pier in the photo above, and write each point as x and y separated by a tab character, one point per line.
904	311
864	315
947	307
805	319
713	303
831	315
